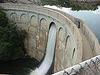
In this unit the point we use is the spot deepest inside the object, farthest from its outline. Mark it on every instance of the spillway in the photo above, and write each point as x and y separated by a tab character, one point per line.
47	62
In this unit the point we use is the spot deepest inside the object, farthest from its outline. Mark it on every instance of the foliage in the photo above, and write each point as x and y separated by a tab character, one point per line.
11	39
75	5
3	19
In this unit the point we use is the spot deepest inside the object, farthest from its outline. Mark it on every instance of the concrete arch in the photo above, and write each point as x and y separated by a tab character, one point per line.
43	23
61	34
61	40
43	35
33	20
23	21
52	23
13	16
60	28
67	52
23	18
66	40
70	45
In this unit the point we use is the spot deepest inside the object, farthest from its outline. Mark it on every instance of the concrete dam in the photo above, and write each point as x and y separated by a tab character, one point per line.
47	62
72	41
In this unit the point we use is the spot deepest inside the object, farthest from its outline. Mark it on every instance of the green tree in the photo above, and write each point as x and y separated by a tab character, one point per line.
75	5
11	39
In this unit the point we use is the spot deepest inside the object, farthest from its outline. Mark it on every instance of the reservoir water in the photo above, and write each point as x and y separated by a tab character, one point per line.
91	17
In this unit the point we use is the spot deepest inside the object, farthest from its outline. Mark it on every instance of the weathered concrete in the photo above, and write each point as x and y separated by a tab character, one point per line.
71	43
90	43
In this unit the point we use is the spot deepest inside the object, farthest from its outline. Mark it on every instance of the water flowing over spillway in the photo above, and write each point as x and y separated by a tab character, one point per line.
46	64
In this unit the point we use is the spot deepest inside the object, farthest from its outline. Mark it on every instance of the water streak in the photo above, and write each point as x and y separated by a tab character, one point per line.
46	64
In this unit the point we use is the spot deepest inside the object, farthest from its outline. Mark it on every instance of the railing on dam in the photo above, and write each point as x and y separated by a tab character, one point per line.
88	67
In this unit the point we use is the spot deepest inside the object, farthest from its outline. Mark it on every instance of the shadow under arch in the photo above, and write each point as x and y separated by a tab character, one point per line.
60	34
52	23
67	40
13	16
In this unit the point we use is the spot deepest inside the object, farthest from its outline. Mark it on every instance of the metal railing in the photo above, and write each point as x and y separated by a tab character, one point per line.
88	67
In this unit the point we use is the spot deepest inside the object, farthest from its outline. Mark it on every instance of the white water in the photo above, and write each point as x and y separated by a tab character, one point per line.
46	64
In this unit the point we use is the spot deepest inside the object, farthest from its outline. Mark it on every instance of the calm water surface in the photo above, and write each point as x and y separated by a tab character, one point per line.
92	18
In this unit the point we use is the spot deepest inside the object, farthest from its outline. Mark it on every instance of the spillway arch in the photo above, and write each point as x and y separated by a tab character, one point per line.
50	50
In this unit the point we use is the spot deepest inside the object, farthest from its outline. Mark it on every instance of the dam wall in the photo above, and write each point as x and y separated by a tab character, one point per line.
88	34
36	20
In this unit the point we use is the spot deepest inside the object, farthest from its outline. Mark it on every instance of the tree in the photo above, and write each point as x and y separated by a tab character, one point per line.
11	39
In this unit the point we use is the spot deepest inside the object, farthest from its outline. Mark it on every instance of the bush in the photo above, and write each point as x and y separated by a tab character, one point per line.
3	18
11	39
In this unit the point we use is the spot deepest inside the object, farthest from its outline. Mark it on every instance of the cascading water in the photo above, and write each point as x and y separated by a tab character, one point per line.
46	64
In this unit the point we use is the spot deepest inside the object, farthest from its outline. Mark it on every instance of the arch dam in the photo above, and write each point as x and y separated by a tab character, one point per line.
74	40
